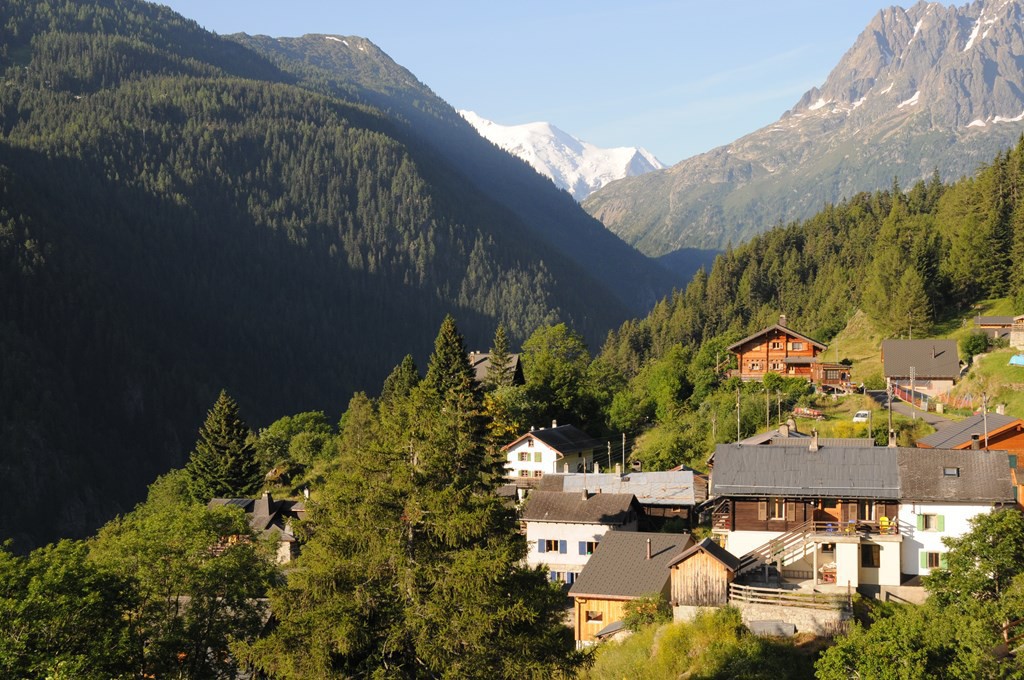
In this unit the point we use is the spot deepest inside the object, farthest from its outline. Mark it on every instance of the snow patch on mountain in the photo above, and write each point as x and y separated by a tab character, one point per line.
572	164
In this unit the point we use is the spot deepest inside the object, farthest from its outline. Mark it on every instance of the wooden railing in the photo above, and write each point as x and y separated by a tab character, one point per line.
787	598
858	527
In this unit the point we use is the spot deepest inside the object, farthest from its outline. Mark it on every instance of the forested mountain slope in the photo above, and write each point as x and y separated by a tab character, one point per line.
179	214
932	86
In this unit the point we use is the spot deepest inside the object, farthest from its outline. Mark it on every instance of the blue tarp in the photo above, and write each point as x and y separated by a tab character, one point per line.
1017	360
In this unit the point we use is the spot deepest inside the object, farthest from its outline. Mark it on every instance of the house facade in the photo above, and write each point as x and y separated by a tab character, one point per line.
563	529
827	513
779	349
559	448
868	517
942	490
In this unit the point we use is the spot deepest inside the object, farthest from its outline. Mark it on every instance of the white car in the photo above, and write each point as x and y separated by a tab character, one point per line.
861	416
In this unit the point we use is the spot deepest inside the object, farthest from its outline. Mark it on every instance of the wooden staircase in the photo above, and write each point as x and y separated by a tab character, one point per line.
780	551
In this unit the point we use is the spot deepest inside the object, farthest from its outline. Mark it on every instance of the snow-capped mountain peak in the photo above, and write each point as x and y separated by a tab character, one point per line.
572	164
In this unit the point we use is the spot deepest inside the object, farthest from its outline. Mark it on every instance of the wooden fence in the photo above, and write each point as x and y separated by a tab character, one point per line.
787	598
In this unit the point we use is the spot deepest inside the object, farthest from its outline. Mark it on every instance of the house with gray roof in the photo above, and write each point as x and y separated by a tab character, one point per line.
941	490
563	528
543	451
864	516
628	565
270	518
934	364
661	495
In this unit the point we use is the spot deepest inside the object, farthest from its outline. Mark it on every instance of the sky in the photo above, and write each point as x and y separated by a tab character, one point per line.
677	78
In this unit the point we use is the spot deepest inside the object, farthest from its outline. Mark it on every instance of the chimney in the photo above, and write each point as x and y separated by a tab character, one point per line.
305	492
784	431
791	424
648	548
262	505
531	428
892	439
618	469
975	441
554	423
565	468
597	469
814	440
782	320
586	494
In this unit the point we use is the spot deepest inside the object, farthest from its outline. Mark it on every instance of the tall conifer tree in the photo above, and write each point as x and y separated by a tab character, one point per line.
223	463
500	373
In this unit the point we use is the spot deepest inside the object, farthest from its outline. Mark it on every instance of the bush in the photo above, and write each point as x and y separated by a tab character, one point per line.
875	381
975	343
643	611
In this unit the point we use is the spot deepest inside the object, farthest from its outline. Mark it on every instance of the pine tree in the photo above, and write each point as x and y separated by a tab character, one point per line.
223	463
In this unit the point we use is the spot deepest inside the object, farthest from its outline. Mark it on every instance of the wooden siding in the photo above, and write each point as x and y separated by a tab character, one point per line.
752	514
700	581
767	354
611	611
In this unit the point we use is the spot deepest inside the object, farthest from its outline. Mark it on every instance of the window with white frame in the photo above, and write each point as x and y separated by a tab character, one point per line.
524	456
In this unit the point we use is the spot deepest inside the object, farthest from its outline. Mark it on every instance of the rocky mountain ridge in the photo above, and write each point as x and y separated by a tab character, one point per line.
931	87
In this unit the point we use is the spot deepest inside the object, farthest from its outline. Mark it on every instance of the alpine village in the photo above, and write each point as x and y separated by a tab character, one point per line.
302	377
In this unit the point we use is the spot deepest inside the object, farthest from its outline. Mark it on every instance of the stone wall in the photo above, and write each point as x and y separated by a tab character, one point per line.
816	621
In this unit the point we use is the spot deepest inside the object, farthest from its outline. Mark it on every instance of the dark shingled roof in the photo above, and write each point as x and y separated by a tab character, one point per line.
564	506
931	359
847	472
730	561
774	327
264	513
480	362
981	476
956	435
563	438
619	568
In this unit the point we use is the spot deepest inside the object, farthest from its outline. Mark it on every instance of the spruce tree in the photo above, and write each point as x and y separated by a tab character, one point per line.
223	463
400	382
449	370
501	371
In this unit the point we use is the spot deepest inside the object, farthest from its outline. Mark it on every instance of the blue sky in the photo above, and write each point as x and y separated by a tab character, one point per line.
677	78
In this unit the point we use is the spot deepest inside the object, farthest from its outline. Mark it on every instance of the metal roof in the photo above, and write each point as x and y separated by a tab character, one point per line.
955	476
795	470
993	321
930	359
958	434
668	488
611	509
619	567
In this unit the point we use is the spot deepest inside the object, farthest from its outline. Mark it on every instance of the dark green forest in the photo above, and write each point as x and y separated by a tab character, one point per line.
180	214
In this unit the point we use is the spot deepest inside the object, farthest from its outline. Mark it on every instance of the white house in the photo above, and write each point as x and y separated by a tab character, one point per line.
564	528
941	490
549	450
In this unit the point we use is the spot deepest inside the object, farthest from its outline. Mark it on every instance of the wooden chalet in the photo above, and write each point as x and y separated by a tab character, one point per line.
701	575
779	349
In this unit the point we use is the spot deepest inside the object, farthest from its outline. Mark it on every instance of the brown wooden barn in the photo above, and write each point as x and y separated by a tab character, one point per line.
701	575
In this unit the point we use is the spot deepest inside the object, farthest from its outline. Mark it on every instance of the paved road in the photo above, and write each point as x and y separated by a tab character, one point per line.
903	408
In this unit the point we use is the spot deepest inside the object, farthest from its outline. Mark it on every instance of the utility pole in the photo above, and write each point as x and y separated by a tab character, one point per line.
737	414
609	453
888	393
714	427
623	453
767	408
984	415
913	406
778	407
